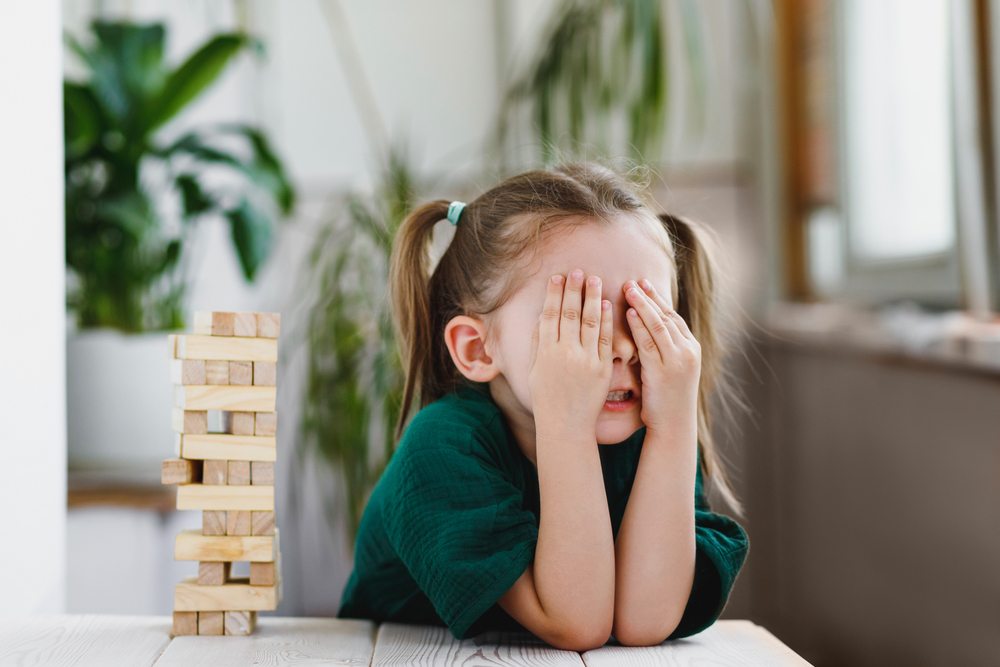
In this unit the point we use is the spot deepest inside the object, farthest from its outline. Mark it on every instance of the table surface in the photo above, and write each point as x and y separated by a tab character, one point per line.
110	641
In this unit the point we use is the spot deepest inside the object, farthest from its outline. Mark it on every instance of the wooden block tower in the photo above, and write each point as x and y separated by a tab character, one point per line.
228	366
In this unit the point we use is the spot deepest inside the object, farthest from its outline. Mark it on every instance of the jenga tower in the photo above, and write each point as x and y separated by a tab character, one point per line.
228	365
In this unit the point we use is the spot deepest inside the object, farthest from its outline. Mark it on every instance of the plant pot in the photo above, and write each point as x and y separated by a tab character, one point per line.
119	399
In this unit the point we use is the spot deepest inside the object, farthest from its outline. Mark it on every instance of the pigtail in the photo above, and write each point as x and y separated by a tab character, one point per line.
698	272
412	311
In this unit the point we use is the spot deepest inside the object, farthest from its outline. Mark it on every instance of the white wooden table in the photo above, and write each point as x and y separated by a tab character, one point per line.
112	641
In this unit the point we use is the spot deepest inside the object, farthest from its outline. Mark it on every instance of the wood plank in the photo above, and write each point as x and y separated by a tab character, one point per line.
266	423
82	640
216	372
187	371
262	472
262	523
241	372
734	642
185	623
211	397
180	471
240	623
239	522
202	322
225	446
237	594
268	325
209	497
279	642
215	472
190	544
245	324
213	573
434	646
192	346
213	522
261	574
239	423
211	622
265	373
190	421
239	472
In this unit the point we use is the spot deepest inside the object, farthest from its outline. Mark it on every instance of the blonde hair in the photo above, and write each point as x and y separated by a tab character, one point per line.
478	273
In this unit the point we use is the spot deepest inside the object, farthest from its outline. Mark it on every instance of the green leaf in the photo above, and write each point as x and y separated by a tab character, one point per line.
81	117
194	199
192	77
251	236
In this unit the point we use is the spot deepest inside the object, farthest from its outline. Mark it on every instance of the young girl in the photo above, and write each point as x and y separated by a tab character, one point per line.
563	352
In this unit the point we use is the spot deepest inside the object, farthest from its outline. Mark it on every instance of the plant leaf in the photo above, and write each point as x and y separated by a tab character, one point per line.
194	199
81	117
251	236
188	81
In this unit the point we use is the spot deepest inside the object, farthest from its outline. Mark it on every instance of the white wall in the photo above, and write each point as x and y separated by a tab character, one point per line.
33	322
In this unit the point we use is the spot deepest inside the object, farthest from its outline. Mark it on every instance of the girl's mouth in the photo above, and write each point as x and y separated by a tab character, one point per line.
620	401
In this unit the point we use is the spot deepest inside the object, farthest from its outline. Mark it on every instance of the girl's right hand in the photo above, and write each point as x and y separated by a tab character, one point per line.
571	360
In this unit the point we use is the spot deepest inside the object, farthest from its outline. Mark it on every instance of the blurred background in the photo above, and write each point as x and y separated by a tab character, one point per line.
166	157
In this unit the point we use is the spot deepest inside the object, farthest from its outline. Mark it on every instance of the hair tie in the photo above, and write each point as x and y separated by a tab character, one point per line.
454	211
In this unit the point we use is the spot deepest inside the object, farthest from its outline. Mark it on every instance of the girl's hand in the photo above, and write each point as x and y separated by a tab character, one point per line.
670	360
570	372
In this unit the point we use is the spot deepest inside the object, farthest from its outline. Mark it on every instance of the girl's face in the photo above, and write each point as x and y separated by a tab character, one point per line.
616	254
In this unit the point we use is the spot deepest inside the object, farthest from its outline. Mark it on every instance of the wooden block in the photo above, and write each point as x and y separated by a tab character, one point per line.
192	545
262	472
185	623
209	397
232	348
239	472
238	522
215	472
224	497
236	594
266	423
190	421
240	623
262	574
211	622
223	323
265	373
187	371
180	471
230	447
262	523
172	345
268	325
238	423
241	372
216	372
245	324
202	323
212	573
213	522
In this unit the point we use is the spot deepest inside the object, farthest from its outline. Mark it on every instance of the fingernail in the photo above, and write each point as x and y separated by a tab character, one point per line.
633	292
594	281
632	313
556	279
577	274
645	284
605	305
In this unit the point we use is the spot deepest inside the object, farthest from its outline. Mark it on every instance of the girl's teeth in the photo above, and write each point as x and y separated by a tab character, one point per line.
619	395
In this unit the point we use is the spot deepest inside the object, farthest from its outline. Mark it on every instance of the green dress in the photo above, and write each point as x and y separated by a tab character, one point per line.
453	521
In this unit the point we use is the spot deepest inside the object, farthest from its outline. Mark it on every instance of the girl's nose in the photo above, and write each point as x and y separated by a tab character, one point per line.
622	346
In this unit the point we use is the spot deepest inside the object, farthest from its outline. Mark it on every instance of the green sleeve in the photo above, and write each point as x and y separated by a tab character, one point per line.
722	546
458	525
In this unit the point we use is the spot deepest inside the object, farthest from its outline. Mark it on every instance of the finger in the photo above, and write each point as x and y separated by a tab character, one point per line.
534	341
655	323
590	325
665	306
572	303
663	310
549	324
648	349
607	331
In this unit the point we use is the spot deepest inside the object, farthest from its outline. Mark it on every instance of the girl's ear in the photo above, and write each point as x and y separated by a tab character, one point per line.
466	341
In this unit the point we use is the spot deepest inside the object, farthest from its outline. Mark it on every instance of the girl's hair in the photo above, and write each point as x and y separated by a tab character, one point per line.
486	263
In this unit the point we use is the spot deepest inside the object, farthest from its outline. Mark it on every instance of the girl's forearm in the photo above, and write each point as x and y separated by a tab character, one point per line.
574	565
655	549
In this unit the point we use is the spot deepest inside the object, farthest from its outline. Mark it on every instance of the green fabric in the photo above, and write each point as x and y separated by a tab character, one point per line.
453	521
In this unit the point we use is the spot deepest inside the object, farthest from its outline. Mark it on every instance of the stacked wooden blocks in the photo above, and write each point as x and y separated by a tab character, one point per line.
227	370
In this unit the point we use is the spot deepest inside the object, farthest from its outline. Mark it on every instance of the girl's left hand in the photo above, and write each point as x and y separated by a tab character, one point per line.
670	360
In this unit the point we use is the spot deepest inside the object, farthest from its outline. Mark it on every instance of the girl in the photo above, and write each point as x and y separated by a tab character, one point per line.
563	352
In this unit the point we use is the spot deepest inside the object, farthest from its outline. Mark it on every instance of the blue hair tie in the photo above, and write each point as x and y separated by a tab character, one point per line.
454	211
